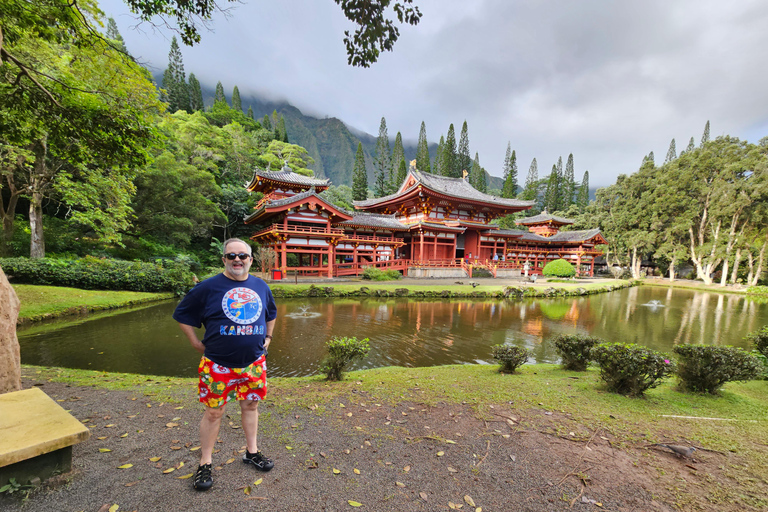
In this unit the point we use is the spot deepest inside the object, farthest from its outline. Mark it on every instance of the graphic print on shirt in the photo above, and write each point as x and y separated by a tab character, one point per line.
242	305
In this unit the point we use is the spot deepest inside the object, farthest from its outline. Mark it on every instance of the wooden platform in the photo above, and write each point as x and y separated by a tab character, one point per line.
37	436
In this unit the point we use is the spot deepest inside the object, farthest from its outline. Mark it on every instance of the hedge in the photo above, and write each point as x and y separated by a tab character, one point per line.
91	273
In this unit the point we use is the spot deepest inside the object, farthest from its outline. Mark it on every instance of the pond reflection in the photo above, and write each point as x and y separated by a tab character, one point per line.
406	332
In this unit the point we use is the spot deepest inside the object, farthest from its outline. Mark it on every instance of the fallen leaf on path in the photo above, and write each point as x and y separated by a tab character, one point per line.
288	447
440	454
185	476
247	490
336	471
194	448
114	508
450	441
452	470
469	500
357	471
177	408
124	435
109	426
407	468
400	484
169	470
176	419
354	503
423	496
322	454
104	450
229	461
257	482
154	459
171	425
131	484
101	438
175	447
125	466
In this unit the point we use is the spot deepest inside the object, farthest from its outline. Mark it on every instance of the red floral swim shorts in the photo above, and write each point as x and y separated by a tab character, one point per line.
219	384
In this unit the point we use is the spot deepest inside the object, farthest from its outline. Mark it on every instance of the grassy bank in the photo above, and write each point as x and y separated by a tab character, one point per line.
44	302
733	422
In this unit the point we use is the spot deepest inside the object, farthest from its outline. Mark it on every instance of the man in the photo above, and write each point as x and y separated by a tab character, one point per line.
238	312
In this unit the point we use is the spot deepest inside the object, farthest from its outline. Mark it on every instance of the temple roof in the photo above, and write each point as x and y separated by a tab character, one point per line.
435	226
544	218
286	175
562	236
300	199
457	188
373	220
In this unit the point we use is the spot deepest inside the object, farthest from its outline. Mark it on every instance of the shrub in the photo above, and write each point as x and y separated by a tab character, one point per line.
630	369
341	352
375	274
91	273
510	356
760	340
559	268
575	349
707	368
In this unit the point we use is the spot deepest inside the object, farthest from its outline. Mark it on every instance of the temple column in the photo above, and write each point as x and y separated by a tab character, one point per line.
283	256
331	257
578	264
421	246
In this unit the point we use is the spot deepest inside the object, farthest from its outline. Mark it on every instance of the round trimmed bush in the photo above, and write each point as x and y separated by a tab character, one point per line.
707	368
574	349
510	356
760	340
559	268
630	369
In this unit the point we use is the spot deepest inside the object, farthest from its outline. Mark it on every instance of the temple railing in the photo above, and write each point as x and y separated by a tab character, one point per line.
300	230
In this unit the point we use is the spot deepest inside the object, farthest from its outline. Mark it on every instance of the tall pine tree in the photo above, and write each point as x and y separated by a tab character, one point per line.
218	96
531	190
398	155
175	80
477	175
114	34
359	176
422	150
195	94
552	195
691	145
381	160
438	168
449	162
671	152
567	185
583	200
509	189
402	173
266	123
464	162
236	103
705	135
281	130
250	112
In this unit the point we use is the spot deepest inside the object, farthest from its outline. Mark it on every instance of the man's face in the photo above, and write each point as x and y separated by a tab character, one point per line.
237	269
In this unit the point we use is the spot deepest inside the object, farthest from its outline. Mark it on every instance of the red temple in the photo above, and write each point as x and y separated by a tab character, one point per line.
432	226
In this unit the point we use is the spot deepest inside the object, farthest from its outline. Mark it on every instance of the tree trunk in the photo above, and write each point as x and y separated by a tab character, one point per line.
724	276
672	270
736	263
759	270
36	185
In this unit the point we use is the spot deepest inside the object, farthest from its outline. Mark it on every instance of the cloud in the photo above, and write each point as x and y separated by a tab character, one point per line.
606	81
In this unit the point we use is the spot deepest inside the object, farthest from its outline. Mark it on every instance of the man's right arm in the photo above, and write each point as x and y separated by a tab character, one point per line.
191	335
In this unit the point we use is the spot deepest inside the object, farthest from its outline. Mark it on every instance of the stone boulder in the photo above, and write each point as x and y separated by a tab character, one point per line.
10	357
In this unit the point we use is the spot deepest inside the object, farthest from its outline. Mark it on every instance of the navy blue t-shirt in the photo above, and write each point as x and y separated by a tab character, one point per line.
234	314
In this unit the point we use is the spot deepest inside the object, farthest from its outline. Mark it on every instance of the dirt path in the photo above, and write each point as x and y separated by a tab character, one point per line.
407	456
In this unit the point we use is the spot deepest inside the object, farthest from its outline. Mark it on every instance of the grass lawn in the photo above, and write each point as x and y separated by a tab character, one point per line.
39	302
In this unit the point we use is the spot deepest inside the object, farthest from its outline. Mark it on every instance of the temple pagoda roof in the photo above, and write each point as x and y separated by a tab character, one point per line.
544	218
269	208
373	220
561	237
455	188
286	177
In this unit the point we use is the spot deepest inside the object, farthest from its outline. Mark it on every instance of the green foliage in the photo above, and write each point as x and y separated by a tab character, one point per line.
359	176
422	150
759	339
559	268
630	369
13	486
91	273
175	81
464	160
341	352
340	196
706	368
511	357
758	290
375	274
574	349
449	159
381	161
582	201
530	191
510	173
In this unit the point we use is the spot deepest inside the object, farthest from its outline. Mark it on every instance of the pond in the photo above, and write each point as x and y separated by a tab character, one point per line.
405	332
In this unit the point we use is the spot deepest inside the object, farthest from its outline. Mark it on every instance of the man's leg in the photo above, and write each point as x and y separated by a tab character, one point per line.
209	430
250	410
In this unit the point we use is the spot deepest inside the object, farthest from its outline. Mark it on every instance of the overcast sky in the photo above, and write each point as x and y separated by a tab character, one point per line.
608	81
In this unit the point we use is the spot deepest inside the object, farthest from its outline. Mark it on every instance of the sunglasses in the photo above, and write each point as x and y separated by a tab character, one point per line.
232	255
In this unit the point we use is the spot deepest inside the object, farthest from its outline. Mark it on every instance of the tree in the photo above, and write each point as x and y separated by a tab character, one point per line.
567	185
402	173
530	192
340	196
691	145
77	133
464	162
510	173
671	152
282	131
449	161
266	123
477	175
359	176
705	135
583	199
422	150
236	103
398	156
218	96
552	195
249	114
381	162
176	87
438	167
195	94
114	34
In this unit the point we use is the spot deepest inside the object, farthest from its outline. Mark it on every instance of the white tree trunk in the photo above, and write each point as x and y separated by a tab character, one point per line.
672	270
736	263
759	271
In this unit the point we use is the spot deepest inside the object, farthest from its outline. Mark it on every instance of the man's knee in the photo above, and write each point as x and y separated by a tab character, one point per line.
213	413
249	405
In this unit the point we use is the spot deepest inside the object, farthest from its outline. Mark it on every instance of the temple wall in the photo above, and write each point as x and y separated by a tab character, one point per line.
419	272
506	273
